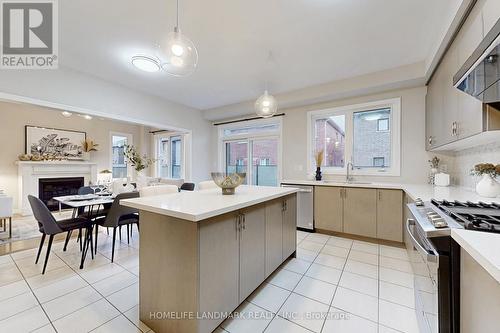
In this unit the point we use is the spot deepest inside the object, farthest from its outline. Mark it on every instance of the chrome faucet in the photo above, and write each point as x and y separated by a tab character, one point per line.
349	177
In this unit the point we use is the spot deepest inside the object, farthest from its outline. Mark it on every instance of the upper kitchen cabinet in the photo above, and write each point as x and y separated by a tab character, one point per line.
455	119
491	14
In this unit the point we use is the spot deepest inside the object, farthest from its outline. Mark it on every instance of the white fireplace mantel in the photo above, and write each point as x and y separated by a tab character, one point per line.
30	172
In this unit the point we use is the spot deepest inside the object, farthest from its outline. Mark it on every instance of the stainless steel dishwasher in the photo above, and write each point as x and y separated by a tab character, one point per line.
305	206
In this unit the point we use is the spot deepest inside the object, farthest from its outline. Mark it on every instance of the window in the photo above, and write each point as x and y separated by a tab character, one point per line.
118	161
329	136
169	156
369	142
252	147
175	156
368	135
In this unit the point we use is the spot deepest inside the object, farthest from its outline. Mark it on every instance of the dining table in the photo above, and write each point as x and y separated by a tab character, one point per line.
83	201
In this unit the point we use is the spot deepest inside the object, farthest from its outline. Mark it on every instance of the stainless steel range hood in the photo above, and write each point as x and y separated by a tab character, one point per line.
480	75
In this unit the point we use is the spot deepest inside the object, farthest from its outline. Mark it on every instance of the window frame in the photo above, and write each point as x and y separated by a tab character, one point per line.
130	141
272	134
168	136
348	111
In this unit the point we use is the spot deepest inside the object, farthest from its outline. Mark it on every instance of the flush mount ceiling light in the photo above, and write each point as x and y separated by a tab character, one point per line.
66	114
181	56
146	63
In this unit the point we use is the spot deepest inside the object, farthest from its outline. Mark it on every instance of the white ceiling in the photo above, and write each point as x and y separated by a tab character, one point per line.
312	41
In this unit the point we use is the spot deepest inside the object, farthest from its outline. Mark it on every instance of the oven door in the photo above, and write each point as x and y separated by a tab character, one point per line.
424	261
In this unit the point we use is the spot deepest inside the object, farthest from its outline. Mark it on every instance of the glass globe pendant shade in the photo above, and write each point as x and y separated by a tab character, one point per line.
266	105
179	53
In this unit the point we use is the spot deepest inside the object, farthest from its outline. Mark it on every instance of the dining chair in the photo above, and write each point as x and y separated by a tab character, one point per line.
149	191
187	187
206	185
48	225
118	216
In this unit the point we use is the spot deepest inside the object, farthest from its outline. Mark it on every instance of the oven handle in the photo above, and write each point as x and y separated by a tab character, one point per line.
430	257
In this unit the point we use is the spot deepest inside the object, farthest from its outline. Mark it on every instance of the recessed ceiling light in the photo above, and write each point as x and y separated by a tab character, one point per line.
146	63
66	114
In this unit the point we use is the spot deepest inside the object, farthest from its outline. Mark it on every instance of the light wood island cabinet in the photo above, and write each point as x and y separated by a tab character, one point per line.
199	263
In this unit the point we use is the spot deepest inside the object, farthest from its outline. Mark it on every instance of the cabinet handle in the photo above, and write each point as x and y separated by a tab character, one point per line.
244	220
430	140
237	223
379	195
345	193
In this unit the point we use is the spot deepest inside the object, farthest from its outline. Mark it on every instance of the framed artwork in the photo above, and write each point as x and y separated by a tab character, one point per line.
54	142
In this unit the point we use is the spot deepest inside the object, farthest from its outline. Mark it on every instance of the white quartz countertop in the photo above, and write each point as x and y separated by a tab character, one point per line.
199	205
423	191
484	247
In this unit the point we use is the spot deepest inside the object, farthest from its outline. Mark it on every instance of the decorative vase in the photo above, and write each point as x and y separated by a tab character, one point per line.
318	173
86	156
488	187
141	179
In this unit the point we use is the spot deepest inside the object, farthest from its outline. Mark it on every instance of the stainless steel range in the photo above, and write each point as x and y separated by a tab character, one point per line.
435	257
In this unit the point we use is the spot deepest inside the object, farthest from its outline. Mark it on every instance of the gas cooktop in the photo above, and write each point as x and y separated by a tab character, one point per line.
474	216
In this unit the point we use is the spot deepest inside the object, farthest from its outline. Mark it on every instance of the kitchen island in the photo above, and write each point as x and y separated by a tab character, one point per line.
202	254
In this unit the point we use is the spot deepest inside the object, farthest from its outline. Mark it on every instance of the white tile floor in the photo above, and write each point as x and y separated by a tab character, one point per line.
334	285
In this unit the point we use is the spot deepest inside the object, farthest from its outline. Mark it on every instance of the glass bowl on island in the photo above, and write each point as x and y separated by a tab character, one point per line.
228	181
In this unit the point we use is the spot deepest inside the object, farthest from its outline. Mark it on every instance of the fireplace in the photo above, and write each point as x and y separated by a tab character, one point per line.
57	187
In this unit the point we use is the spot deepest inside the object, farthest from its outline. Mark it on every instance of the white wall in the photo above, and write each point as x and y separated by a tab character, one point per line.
14	117
72	90
465	160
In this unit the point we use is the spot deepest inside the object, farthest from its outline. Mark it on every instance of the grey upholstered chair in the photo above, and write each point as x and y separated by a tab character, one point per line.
48	225
118	216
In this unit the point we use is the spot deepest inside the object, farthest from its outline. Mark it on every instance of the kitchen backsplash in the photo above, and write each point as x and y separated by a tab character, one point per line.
465	160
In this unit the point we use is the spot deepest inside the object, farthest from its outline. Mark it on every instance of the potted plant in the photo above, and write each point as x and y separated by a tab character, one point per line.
434	164
318	157
488	185
87	147
138	162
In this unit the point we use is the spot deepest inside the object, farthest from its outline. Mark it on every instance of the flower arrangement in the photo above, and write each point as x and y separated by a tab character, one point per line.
486	169
89	145
135	159
318	157
434	162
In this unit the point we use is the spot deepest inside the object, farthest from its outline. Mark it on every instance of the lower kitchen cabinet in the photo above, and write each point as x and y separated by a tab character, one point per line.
252	250
360	207
274	235
289	225
219	266
328	207
390	215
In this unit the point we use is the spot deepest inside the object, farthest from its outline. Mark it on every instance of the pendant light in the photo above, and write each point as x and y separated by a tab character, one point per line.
266	105
181	56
